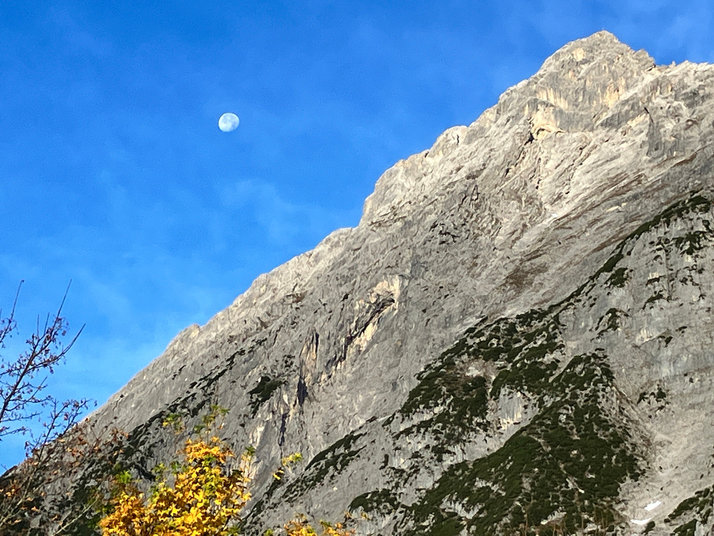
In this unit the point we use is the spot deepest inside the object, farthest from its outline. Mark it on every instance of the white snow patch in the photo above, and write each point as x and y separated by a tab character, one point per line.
651	506
641	522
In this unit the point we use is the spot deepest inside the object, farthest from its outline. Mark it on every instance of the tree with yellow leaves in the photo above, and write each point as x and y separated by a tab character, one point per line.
201	495
300	527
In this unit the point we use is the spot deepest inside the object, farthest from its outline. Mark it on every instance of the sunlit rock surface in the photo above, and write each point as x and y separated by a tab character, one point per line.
518	334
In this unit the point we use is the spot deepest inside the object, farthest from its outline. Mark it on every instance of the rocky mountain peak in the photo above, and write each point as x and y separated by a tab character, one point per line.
571	92
589	75
516	334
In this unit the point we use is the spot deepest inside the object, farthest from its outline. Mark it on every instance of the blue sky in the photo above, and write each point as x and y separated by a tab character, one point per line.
114	174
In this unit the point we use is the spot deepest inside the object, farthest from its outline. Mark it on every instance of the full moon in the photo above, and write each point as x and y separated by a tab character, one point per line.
228	122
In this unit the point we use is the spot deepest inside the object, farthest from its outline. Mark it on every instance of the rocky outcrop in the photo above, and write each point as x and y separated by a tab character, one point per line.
517	335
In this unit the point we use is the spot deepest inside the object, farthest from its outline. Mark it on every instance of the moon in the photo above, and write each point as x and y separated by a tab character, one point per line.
228	122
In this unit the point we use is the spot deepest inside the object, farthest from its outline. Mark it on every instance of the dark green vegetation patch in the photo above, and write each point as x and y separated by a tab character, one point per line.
382	501
696	510
262	392
453	395
565	466
333	460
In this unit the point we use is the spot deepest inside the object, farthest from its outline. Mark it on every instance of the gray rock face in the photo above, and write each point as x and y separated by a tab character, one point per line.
518	333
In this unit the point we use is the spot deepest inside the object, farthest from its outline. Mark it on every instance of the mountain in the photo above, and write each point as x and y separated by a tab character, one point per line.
516	338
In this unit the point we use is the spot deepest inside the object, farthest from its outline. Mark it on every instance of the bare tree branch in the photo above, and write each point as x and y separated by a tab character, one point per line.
23	379
55	449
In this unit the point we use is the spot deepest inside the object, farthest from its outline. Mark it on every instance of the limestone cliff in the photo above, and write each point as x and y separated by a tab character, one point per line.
517	335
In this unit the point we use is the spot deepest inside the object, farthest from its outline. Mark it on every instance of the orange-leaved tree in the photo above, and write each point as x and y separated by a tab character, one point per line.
202	493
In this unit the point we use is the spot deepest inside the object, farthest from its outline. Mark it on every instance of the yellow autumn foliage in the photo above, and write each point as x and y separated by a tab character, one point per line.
201	497
300	527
